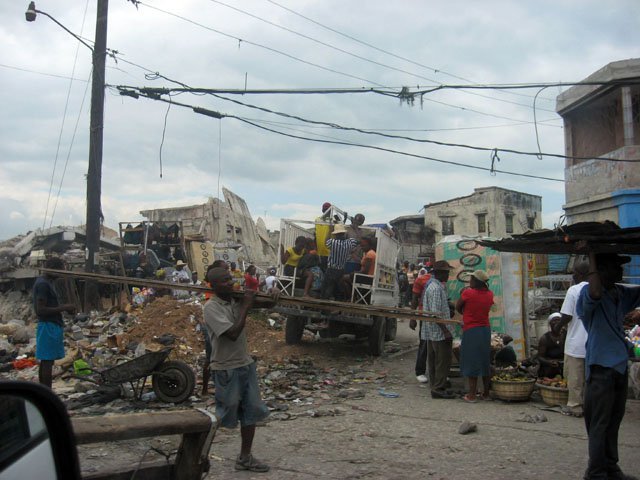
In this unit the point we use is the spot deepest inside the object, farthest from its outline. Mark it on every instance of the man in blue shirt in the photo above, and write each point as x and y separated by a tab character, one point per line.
602	306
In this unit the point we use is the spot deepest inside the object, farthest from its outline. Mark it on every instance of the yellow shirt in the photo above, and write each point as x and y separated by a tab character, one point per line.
294	257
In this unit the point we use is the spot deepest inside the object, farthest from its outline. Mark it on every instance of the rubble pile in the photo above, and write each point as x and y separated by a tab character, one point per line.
293	383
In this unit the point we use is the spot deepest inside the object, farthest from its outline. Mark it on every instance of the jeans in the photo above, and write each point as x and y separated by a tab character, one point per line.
604	402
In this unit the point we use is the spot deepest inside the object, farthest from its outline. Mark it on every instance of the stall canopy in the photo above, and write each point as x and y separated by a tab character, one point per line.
601	237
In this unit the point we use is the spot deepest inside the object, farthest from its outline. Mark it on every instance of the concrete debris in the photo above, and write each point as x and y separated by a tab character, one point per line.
537	418
291	384
467	427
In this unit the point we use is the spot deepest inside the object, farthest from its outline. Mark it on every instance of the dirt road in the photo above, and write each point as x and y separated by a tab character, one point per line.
349	430
415	436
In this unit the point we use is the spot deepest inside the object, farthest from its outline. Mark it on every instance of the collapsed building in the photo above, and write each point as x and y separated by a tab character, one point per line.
219	229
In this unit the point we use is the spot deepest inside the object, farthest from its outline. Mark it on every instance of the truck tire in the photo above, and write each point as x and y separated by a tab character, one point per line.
293	330
391	329
376	336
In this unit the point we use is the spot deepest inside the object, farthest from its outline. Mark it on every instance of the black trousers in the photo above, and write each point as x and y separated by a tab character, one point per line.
330	283
605	396
421	358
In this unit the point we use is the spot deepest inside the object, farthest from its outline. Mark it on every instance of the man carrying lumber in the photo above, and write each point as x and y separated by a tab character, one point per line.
237	390
602	306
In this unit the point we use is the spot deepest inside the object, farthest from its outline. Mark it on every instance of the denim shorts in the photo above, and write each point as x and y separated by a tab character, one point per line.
238	397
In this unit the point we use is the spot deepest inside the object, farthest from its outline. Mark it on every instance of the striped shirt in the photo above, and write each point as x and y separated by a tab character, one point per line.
434	299
340	251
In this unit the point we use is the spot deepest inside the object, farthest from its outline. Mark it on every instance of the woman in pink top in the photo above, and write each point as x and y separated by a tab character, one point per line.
475	350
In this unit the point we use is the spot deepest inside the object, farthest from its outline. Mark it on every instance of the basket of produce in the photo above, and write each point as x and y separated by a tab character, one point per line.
513	387
554	391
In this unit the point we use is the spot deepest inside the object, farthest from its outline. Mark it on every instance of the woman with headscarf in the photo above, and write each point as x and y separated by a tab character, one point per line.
475	350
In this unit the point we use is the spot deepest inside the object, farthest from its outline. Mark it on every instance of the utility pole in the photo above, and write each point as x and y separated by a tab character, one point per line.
94	173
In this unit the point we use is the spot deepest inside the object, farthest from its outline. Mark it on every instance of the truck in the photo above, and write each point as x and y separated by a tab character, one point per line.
379	289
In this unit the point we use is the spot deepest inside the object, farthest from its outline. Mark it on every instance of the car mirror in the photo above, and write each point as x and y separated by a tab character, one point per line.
36	437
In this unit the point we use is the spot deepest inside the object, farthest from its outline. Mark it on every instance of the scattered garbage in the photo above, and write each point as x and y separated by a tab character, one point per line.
537	418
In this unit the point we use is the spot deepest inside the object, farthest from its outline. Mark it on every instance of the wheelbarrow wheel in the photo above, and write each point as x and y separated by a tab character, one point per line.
173	381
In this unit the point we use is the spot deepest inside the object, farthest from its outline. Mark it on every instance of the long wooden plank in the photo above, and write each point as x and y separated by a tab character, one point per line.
138	425
306	302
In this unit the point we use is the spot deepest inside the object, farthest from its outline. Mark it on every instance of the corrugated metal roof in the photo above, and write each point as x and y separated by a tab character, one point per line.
605	237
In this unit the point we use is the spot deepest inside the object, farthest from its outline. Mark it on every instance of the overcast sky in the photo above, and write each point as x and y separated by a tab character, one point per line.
340	44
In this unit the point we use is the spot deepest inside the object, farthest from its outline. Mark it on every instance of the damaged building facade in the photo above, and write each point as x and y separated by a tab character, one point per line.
487	212
602	121
227	224
416	239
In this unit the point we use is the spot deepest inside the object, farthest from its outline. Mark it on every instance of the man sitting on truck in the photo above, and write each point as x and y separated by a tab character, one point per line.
340	249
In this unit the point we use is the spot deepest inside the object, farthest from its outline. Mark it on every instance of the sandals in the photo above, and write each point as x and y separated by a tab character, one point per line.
251	464
468	399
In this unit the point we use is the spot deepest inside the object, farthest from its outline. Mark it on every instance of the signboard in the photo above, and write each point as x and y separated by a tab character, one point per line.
505	281
201	256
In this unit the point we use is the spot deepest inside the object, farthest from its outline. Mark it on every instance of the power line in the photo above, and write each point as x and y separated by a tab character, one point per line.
20	69
400	95
360	57
241	40
357	40
156	93
293	57
340	127
66	105
218	115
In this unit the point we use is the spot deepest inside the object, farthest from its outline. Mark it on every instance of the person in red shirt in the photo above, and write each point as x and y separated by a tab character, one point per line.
475	350
251	280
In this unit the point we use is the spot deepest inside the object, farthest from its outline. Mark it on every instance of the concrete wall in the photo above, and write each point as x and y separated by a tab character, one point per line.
492	202
226	222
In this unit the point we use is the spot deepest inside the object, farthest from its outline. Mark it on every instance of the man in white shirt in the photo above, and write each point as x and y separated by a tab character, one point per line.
574	346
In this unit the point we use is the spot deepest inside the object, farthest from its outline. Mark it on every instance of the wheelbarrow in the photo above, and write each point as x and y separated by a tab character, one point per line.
173	381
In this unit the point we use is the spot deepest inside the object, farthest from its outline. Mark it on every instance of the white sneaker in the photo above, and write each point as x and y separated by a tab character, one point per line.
422	379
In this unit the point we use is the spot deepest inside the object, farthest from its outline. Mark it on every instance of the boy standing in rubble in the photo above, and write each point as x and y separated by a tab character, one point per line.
237	390
50	329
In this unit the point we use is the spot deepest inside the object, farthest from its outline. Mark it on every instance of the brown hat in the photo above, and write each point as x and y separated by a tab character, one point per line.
442	265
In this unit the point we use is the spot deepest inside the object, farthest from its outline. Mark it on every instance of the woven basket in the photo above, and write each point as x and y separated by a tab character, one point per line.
554	396
513	391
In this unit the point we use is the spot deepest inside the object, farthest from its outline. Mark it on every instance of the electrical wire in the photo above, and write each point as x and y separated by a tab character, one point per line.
54	75
66	106
164	129
360	57
218	115
157	92
386	52
273	50
66	162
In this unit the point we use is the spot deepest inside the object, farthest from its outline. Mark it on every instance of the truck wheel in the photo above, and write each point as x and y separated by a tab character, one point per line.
173	381
391	330
376	336
293	330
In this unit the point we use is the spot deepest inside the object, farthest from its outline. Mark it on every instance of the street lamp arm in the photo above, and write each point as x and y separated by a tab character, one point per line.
33	11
